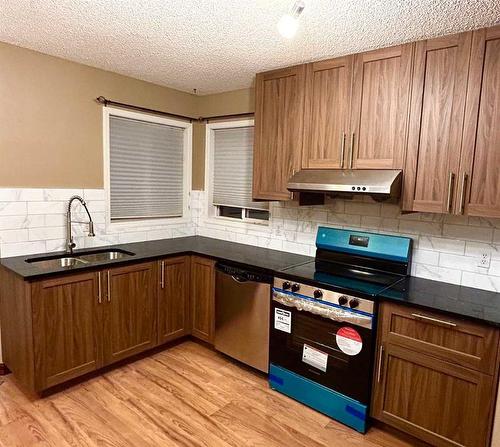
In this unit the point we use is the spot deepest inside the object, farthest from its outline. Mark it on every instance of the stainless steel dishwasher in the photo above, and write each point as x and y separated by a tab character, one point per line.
242	305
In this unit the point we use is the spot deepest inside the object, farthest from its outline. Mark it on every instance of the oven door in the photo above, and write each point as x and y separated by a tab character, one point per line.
333	352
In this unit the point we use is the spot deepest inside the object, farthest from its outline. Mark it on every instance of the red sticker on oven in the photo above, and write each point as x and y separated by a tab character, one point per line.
349	341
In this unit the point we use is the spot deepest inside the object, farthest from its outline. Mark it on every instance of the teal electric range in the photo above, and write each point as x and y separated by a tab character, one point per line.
322	335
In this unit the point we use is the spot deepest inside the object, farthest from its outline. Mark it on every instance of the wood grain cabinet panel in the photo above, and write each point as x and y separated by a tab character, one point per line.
438	402
436	123
435	376
327	113
66	328
130	311
480	168
203	298
279	118
173	298
379	114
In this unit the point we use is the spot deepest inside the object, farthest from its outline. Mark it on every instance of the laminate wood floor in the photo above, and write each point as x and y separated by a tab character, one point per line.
187	395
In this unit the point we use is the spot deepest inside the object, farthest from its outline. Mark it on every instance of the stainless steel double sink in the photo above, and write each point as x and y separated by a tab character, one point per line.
80	258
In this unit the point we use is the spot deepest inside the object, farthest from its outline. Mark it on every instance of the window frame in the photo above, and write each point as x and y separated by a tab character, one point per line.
124	224
211	209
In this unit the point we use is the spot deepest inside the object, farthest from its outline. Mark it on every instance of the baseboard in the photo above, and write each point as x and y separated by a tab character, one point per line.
3	369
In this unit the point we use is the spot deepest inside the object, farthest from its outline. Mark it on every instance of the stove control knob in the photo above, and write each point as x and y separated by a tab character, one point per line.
353	303
286	285
343	300
295	287
318	294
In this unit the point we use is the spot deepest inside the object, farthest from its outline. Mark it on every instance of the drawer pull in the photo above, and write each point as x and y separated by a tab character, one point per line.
434	320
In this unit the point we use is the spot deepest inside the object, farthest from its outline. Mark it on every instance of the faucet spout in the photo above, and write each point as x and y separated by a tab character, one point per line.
70	243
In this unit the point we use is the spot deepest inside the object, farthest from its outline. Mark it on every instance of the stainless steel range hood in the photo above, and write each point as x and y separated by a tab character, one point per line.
385	182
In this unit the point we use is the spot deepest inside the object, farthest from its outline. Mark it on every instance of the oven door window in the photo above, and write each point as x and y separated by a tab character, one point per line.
347	348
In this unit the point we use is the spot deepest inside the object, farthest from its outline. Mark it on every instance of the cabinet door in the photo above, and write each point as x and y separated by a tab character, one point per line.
441	403
173	299
327	113
203	298
380	101
130	311
66	328
480	169
279	116
436	123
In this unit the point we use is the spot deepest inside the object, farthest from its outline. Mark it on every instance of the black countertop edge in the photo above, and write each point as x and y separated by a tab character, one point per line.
247	256
464	302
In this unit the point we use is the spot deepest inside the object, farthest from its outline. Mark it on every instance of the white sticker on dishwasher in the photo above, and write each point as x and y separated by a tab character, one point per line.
314	357
283	320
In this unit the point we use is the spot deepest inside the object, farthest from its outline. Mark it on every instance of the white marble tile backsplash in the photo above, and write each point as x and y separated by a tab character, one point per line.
446	248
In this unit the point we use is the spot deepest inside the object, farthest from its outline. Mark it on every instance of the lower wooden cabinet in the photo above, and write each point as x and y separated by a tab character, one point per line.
203	298
129	311
66	328
173	299
421	391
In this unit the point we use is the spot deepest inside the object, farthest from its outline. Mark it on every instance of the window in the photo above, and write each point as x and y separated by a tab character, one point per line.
147	160
230	153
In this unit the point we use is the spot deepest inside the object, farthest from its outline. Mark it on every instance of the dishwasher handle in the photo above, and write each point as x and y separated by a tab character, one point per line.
243	275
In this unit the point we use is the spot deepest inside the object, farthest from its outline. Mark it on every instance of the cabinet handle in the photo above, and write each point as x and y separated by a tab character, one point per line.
99	291
351	156
162	278
109	289
380	359
434	320
465	177
451	178
342	150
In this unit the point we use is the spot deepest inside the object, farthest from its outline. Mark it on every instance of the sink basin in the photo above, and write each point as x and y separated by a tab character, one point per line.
80	258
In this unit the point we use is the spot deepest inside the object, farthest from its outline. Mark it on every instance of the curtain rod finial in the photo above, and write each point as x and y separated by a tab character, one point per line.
102	100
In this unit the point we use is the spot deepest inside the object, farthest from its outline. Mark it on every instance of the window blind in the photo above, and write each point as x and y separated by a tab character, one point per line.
233	159
146	169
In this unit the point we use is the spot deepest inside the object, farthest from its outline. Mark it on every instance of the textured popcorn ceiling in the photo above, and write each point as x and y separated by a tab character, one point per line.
215	45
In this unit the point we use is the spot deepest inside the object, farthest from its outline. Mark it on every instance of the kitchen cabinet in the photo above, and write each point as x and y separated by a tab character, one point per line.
327	113
173	298
435	375
203	298
480	165
130	311
66	328
379	111
436	123
279	118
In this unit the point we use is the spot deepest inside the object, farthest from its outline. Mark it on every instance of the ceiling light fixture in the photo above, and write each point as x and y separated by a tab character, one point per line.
289	23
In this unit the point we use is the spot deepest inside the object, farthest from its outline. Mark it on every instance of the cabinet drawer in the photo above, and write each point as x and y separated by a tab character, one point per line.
451	339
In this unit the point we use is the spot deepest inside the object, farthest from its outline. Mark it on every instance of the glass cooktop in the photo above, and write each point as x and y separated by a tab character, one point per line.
350	279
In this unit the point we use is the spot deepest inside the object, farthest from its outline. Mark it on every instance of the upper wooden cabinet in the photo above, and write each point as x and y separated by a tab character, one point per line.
480	167
173	299
327	113
279	117
379	111
436	123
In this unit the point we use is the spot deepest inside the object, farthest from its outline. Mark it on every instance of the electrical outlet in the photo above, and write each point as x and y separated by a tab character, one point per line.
484	260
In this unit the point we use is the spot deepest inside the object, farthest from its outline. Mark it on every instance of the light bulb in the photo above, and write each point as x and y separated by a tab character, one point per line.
288	25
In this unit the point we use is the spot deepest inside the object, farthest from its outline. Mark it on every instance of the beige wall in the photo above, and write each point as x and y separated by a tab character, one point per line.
50	125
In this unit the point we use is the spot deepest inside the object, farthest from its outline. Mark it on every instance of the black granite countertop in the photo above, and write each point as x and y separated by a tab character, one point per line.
244	255
476	304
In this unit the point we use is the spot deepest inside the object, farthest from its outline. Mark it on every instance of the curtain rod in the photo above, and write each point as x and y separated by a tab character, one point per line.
108	102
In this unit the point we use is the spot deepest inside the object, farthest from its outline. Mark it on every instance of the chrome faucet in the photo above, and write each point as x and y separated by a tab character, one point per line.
70	243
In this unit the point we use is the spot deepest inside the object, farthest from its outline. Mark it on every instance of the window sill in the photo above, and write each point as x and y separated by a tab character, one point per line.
227	221
138	225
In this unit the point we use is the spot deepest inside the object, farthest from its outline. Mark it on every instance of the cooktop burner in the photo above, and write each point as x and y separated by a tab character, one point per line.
352	280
